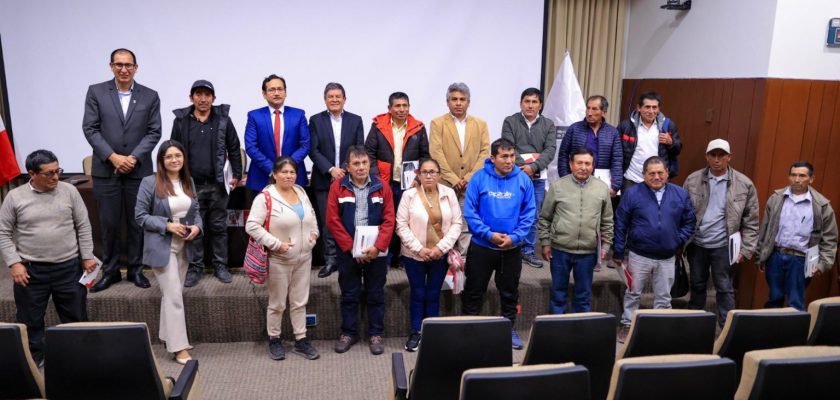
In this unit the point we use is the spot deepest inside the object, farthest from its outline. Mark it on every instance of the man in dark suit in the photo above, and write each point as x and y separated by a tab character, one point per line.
332	132
274	131
122	125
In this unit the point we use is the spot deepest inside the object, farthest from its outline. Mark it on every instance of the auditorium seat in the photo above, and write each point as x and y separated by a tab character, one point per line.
677	376
545	381
586	339
825	322
110	360
451	345
87	165
800	372
748	330
19	375
668	331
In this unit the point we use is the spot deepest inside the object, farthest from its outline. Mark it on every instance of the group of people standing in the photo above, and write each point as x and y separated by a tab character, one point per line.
488	205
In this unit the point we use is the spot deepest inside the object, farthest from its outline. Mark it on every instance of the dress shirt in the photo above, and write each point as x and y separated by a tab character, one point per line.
647	145
282	110
399	136
336	127
461	127
125	98
796	220
711	233
360	218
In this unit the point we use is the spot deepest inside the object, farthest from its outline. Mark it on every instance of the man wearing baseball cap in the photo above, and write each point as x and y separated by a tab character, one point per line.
725	203
202	128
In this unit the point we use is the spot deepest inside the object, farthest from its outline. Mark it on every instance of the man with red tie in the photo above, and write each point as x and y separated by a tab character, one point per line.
274	131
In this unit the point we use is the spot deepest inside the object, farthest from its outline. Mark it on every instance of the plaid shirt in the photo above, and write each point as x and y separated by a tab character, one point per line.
361	193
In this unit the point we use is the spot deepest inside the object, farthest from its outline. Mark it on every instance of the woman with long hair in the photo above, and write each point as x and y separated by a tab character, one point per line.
167	210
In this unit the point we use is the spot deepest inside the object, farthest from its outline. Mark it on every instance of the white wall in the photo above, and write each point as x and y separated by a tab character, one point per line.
798	49
715	39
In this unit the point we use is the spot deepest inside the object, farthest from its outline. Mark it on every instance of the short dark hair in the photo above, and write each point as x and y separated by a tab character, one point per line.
500	144
650	96
604	103
357	150
37	158
531	91
334	86
654	160
798	164
122	50
431	160
272	77
580	151
397	96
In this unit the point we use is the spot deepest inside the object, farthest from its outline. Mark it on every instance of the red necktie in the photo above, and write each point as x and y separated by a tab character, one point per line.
277	141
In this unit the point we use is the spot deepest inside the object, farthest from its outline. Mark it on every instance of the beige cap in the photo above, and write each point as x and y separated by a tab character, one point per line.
718	144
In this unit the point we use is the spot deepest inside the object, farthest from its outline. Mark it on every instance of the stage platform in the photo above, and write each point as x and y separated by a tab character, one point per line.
235	312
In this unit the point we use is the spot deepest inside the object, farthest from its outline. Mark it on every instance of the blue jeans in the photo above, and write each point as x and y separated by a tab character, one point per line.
582	267
785	275
425	279
539	195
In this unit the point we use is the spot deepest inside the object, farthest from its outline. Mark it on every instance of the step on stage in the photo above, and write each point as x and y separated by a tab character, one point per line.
235	312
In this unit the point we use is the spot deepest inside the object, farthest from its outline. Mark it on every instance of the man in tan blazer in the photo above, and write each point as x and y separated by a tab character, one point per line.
460	143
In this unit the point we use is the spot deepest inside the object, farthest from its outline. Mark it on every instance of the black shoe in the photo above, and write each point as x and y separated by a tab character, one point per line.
327	270
413	342
106	282
222	274
193	276
304	347
139	279
275	349
344	343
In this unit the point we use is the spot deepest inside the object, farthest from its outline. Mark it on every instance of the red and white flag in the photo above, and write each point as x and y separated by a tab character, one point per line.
8	163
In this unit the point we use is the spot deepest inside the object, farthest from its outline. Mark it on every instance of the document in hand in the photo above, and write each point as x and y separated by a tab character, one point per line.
364	238
409	173
88	279
734	247
530	158
812	261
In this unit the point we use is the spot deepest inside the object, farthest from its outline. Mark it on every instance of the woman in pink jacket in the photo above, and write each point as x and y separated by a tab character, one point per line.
428	224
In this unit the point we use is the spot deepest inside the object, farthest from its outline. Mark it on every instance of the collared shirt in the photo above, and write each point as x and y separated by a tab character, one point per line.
647	145
582	183
659	193
796	221
360	218
530	123
336	127
461	127
282	110
592	143
399	136
200	144
125	97
711	233
33	188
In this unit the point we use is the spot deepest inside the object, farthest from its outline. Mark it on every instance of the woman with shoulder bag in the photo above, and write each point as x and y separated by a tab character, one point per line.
167	210
428	223
290	238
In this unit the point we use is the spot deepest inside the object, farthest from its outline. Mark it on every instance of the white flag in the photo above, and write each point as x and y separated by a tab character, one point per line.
564	105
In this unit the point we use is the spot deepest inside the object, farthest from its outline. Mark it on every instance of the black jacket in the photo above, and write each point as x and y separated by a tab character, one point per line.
226	144
627	132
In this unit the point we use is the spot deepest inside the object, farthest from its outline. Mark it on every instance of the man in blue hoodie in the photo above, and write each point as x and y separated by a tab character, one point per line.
653	221
499	209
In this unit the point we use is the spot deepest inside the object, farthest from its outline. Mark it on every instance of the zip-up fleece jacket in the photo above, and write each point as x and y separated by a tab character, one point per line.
573	215
341	212
499	204
285	226
380	144
653	230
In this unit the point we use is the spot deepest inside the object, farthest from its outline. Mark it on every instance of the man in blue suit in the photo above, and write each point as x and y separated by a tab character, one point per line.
334	130
271	125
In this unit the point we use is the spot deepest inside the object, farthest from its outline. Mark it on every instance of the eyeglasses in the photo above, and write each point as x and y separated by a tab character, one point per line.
50	174
429	173
275	90
128	66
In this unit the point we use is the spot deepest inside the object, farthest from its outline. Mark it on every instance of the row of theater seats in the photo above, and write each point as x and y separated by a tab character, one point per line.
90	360
669	354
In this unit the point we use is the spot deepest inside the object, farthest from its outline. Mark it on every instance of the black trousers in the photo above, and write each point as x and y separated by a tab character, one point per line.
330	248
212	205
115	198
483	262
354	279
61	281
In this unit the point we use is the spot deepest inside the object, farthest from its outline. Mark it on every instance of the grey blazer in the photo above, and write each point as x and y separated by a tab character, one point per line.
109	131
152	214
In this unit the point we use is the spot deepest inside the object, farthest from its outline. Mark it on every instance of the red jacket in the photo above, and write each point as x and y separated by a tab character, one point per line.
341	212
380	144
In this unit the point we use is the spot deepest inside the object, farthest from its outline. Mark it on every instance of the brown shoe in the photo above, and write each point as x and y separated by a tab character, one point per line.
622	334
344	343
376	347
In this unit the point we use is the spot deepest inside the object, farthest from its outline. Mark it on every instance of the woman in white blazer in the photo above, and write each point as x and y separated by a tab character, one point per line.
290	238
167	210
428	224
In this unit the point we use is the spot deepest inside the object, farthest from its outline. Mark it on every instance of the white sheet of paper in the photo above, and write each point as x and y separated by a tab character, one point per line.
812	261
228	172
604	175
364	238
88	279
734	247
409	172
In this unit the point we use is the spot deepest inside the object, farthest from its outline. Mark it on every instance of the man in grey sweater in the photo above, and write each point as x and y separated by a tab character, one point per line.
576	214
45	240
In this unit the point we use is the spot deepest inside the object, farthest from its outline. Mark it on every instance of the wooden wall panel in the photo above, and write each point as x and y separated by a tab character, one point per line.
770	123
